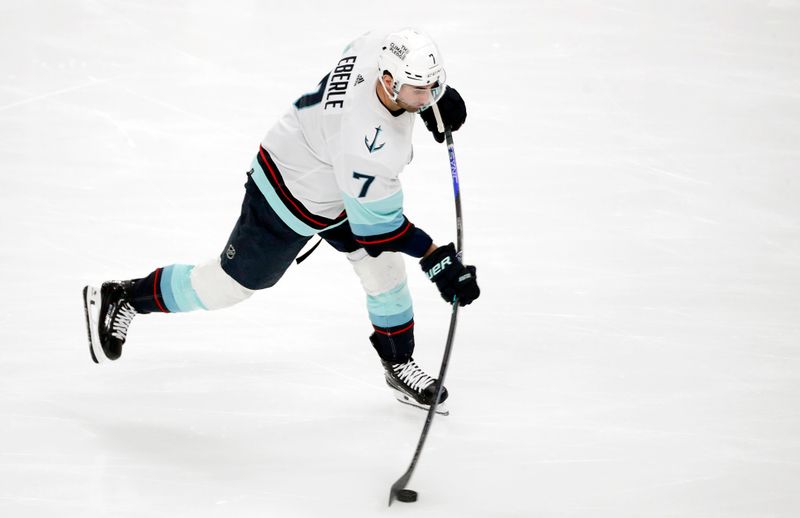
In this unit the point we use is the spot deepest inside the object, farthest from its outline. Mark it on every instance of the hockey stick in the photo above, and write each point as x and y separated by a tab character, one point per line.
401	482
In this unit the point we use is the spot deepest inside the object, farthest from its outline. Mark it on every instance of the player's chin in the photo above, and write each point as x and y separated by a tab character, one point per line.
411	108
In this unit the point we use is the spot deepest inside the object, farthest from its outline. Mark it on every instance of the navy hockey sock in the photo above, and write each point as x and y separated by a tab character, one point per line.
146	294
394	344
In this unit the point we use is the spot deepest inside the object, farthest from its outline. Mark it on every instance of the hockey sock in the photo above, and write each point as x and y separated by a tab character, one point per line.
165	290
394	344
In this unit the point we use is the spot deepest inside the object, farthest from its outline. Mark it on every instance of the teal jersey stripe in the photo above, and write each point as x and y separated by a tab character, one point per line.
391	308
378	228
176	289
373	218
277	205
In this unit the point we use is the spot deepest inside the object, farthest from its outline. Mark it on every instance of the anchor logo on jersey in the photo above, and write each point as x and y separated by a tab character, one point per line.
372	147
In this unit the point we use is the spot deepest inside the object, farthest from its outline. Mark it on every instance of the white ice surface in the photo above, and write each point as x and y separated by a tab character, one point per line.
631	199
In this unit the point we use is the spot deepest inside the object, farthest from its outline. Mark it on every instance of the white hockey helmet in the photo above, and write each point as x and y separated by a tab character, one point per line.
412	58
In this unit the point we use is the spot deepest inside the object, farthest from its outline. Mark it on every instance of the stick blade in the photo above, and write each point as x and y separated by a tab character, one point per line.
397	486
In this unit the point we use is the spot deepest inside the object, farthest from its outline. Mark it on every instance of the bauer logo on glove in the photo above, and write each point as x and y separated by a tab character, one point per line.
438	267
453	279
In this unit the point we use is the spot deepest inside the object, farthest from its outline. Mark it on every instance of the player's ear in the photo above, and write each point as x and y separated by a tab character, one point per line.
387	79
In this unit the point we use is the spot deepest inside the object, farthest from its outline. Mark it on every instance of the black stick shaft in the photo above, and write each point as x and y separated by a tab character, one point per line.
401	482
451	151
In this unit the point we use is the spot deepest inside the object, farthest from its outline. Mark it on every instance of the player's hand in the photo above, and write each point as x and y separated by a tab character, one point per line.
451	277
452	109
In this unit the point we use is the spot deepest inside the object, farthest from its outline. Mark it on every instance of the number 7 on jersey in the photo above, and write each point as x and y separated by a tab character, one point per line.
369	179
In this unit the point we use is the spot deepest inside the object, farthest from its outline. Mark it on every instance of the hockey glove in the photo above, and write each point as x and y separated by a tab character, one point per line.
451	277
452	109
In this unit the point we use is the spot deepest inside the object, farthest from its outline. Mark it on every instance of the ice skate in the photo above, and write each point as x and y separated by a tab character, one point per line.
412	386
108	315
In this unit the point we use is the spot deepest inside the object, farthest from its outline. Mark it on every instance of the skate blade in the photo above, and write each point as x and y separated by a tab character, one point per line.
441	408
91	308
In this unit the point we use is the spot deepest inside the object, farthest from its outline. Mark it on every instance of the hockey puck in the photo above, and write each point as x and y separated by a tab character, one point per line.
407	495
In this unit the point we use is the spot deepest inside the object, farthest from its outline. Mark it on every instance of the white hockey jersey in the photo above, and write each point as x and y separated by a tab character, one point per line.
337	154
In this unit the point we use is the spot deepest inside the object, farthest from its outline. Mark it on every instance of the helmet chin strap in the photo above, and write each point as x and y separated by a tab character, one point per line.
392	97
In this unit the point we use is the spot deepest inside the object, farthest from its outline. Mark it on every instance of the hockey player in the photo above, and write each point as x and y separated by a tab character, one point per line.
330	166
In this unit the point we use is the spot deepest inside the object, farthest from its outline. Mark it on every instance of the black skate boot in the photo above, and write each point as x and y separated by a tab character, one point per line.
413	387
108	315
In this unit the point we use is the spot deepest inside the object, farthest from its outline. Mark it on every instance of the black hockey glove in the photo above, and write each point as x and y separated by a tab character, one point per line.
451	277
452	109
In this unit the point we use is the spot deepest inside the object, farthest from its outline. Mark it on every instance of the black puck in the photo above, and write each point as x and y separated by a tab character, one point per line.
407	495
